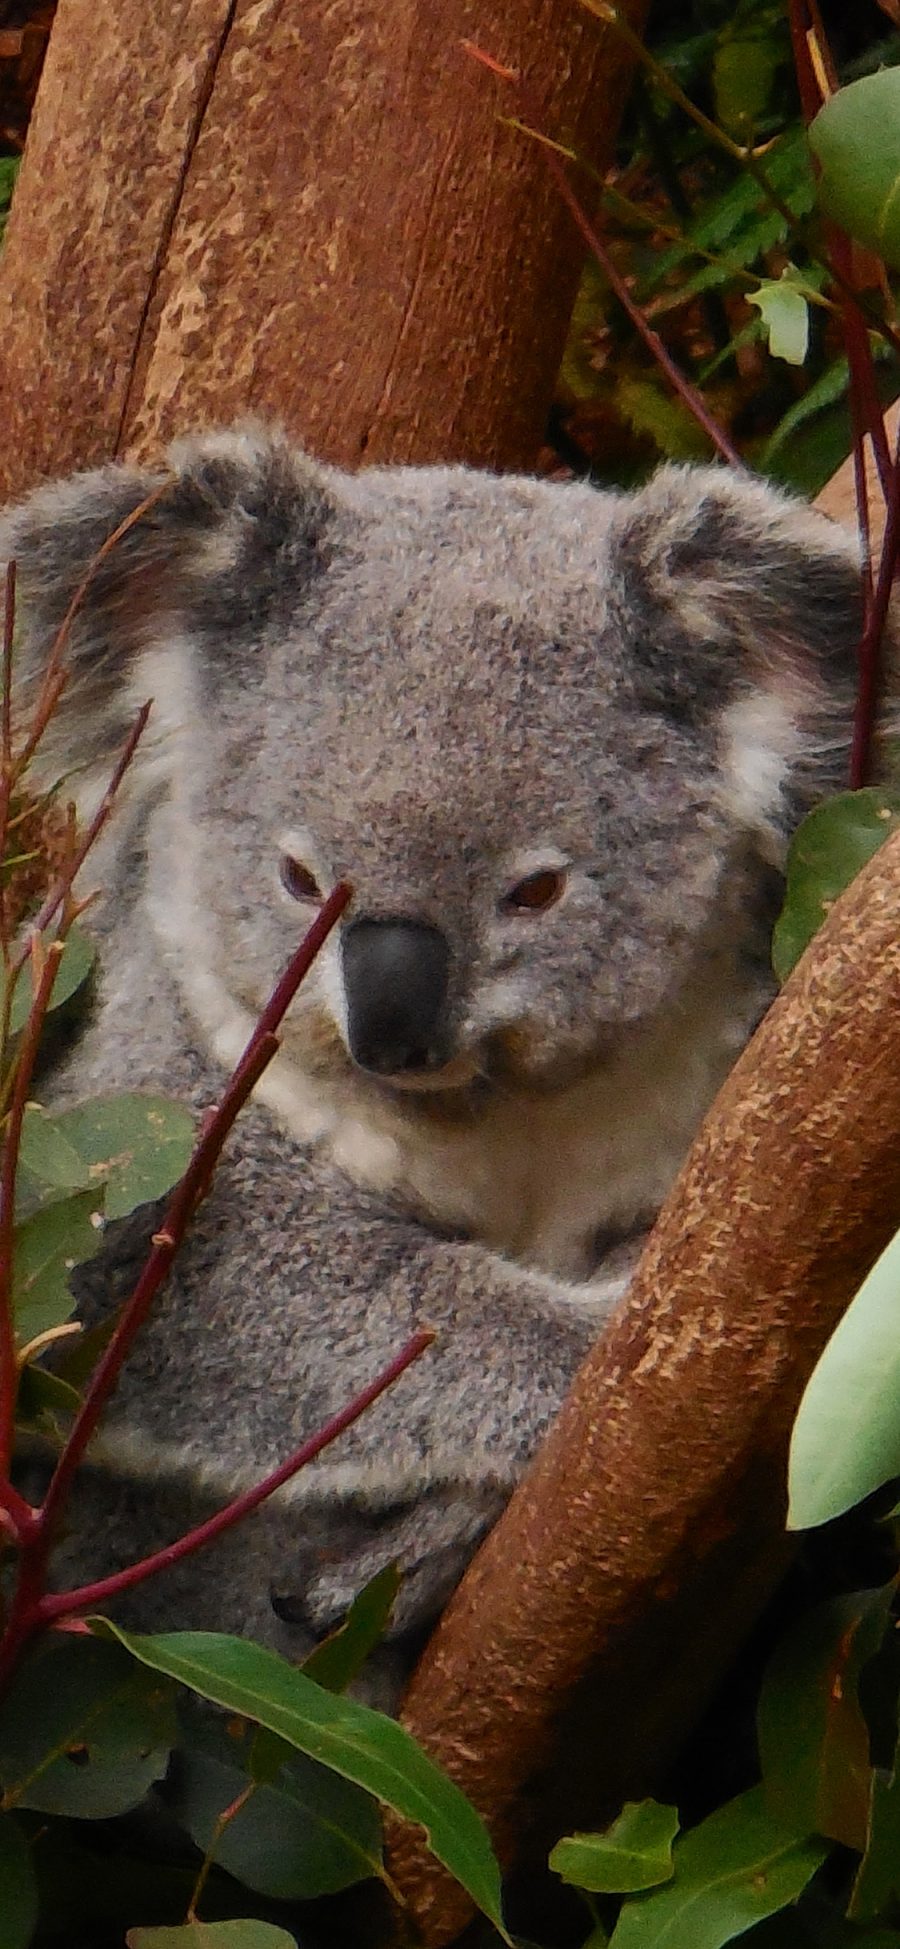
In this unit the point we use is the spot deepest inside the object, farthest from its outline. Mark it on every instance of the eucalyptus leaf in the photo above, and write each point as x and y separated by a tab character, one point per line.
213	1935
828	850
812	1735
307	1834
75	965
46	1154
784	310
42	1397
136	1146
46	1248
737	1867
83	1731
846	1437
339	1659
744	69
856	140
18	1893
354	1741
634	1852
877	1883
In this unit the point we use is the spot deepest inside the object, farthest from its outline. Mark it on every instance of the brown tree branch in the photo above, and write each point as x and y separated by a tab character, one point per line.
661	1487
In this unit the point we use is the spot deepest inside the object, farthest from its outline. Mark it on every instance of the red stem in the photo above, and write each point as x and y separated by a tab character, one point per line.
867	412
6	757
65	629
870	647
9	620
691	398
25	1612
63	887
159	1259
62	1603
25	1061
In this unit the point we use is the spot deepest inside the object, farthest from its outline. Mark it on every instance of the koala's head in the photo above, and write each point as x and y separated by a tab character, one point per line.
555	738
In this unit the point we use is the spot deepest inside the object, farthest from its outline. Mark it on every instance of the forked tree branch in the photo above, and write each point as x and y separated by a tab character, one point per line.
651	1524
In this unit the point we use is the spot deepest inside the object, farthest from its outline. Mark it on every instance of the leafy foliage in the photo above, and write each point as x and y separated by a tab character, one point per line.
634	1853
710	227
859	185
359	1744
826	853
846	1439
740	1865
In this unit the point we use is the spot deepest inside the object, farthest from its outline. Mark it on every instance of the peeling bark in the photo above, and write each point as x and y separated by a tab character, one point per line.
307	209
651	1526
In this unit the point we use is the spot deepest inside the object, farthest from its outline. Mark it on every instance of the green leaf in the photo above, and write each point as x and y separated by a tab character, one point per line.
827	852
47	1161
650	410
877	1881
75	966
83	1731
306	1834
846	1439
42	1397
46	1248
856	141
353	1740
18	1893
338	1660
740	220
743	72
737	1867
635	1852
830	386
137	1146
813	1738
784	310
213	1935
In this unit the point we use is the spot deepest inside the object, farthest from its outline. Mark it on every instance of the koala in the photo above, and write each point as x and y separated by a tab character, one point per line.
557	740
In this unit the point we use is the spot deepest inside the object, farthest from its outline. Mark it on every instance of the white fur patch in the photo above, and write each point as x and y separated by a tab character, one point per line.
761	743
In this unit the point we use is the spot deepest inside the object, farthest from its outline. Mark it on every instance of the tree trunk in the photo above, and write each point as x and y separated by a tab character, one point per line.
301	208
636	1553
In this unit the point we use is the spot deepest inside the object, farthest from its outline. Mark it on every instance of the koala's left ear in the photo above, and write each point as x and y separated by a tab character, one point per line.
235	527
741	611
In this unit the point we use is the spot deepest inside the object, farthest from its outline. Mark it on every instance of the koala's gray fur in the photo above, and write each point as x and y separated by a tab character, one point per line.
436	683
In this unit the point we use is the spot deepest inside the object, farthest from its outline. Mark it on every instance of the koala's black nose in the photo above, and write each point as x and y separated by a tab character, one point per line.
395	981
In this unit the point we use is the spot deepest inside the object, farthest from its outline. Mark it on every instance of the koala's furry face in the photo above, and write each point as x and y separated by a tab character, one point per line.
551	736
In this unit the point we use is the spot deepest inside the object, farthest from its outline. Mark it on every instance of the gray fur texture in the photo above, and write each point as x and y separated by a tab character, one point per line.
447	687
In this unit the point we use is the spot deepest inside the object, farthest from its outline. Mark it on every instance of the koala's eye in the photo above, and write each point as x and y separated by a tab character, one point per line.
298	880
534	894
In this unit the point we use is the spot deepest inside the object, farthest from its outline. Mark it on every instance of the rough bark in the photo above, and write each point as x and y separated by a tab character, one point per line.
303	208
651	1524
838	499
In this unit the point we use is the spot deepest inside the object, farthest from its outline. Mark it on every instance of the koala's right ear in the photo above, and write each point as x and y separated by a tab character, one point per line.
233	526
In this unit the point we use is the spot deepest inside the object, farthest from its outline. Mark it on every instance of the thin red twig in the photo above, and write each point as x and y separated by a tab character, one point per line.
260	1049
686	392
62	1603
35	1532
64	884
6	755
870	660
60	641
867	413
